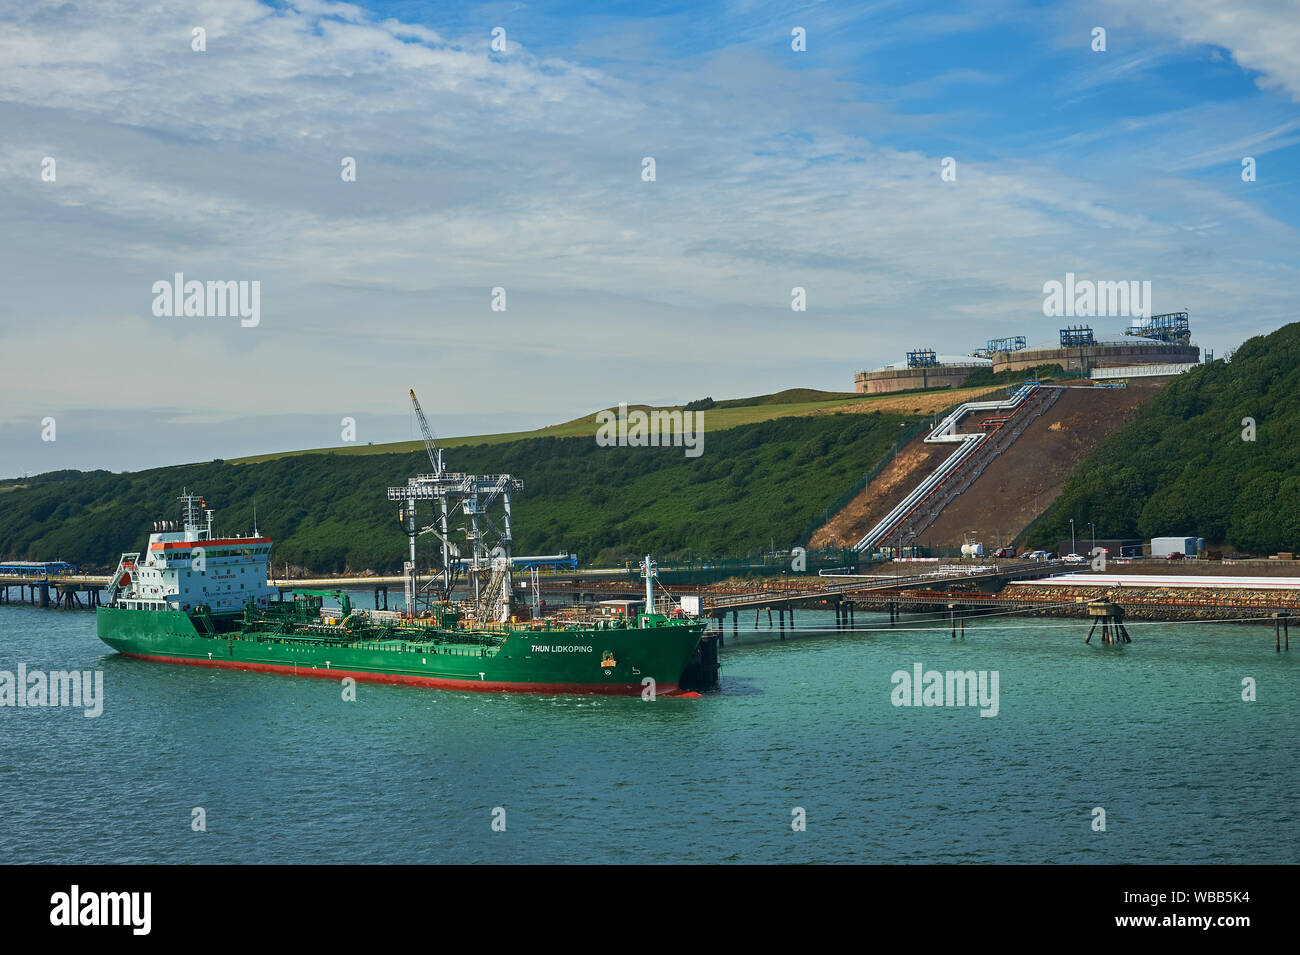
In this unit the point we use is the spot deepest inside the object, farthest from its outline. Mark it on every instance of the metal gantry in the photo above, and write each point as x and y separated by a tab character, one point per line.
1172	327
488	538
995	345
922	358
1076	336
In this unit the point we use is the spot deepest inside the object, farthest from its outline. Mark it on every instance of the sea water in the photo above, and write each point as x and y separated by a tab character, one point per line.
1146	752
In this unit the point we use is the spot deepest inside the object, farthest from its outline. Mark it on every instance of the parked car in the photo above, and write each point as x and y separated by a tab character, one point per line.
1174	555
1005	552
1073	558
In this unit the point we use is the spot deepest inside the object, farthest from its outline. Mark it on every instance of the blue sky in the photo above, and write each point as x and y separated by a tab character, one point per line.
521	169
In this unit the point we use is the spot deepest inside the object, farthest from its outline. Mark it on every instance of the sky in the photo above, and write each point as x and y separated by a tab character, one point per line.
522	169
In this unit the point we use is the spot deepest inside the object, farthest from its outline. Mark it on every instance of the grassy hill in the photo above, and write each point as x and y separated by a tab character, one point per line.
756	483
719	416
1182	466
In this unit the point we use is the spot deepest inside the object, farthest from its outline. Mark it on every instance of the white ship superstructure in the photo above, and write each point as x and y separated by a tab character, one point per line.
186	567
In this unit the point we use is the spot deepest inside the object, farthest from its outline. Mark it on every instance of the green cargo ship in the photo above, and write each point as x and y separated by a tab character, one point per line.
204	600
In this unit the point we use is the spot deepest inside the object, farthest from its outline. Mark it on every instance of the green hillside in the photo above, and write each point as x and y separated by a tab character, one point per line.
1182	466
721	415
754	484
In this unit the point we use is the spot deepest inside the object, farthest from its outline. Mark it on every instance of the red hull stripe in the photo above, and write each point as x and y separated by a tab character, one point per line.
222	542
440	683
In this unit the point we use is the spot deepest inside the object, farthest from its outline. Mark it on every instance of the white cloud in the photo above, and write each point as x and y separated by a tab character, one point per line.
476	171
1261	35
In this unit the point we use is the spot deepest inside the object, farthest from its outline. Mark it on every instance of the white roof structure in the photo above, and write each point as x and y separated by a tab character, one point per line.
966	361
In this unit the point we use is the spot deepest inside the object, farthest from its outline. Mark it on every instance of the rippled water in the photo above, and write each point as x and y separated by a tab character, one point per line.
1156	733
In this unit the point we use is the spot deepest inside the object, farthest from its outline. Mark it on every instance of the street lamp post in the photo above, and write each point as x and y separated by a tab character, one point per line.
1073	548
1094	537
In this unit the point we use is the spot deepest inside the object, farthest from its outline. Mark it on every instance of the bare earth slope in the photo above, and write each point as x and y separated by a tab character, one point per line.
879	497
1015	487
1020	483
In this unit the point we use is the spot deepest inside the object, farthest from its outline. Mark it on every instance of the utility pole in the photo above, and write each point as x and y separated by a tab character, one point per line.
1073	548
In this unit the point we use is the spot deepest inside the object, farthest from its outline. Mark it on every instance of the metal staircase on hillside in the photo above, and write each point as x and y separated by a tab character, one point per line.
998	441
945	432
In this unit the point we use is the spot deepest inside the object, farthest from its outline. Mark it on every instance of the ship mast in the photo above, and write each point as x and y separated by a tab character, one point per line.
191	507
648	572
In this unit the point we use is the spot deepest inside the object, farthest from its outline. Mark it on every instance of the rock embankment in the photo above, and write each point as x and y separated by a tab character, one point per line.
1164	603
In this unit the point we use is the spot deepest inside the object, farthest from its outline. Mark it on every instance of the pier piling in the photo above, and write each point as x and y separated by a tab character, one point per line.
1111	618
958	619
1281	631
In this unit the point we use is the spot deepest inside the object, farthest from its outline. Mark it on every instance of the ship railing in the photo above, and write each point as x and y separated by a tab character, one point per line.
462	651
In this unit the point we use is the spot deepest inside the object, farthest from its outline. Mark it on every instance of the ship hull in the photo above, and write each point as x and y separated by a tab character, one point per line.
528	661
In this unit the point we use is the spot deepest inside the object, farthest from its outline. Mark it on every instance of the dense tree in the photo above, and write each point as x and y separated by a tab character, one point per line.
1192	463
753	484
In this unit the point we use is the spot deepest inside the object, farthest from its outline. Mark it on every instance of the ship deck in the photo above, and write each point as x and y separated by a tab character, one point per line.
418	642
438	649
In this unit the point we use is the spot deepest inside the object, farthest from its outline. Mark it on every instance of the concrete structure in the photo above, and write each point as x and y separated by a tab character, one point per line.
949	372
1098	355
1126	358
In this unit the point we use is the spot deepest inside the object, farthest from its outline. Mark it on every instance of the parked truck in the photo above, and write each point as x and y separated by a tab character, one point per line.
1183	546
